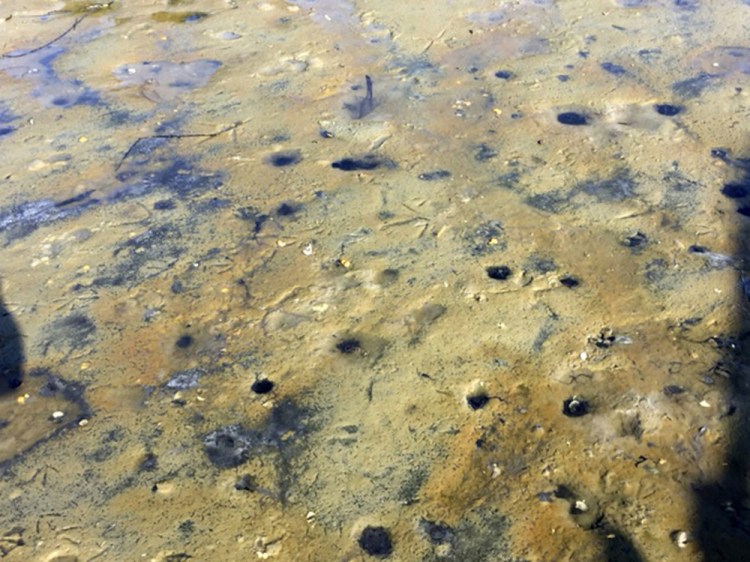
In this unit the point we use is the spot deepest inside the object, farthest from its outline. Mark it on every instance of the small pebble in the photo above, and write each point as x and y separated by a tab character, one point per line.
681	538
376	541
636	240
546	497
504	74
575	407
57	415
672	390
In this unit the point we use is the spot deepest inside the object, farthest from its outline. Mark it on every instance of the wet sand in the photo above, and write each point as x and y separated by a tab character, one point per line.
494	310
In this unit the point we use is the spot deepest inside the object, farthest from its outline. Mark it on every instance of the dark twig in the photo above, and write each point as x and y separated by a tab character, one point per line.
174	136
47	44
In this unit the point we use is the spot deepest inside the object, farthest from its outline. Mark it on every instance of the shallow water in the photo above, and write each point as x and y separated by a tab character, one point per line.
500	301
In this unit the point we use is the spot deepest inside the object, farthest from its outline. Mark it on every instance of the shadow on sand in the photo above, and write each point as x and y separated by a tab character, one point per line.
722	511
11	352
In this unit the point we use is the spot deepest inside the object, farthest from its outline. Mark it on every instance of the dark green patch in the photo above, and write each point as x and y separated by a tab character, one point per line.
486	238
551	202
409	491
178	17
147	255
619	187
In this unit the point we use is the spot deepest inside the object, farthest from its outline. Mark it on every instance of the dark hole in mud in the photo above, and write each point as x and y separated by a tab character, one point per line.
367	162
498	272
569	281
286	158
575	407
477	401
349	346
184	341
263	386
376	541
572	118
666	109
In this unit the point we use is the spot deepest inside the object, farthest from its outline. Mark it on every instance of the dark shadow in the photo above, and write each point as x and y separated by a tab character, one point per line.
11	352
620	549
722	510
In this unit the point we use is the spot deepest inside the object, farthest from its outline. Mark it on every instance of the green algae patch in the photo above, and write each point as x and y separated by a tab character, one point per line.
178	17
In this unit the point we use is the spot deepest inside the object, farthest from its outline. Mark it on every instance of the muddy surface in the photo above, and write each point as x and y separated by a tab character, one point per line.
374	280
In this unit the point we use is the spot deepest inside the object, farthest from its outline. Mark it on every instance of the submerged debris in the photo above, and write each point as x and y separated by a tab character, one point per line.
434	175
363	106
